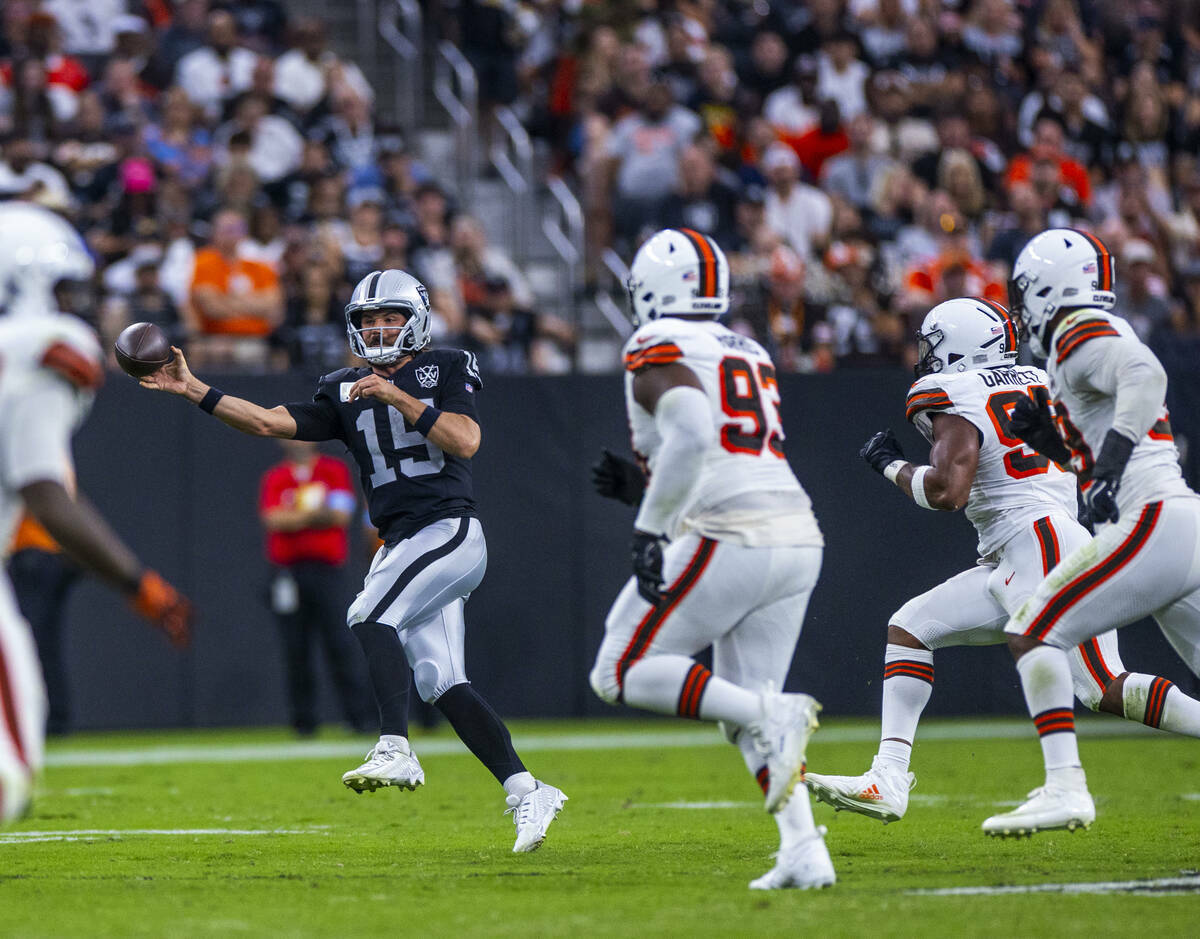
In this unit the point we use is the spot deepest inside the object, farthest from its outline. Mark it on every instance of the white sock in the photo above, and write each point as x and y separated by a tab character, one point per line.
907	685
795	819
520	785
677	684
1156	702
1046	680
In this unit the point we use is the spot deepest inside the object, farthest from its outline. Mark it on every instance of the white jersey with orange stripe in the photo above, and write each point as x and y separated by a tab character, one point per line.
1013	485
50	367
747	492
1103	377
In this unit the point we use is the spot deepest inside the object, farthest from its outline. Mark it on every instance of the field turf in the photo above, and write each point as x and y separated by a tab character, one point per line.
232	833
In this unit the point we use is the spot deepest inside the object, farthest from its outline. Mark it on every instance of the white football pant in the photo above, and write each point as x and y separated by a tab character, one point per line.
22	708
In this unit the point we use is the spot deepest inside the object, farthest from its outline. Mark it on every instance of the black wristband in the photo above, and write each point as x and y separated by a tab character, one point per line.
424	424
208	403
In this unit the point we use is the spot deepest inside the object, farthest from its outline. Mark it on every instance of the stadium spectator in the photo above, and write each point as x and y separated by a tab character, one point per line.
43	69
852	175
797	212
1139	289
361	243
186	33
179	145
643	151
305	74
842	77
792	109
235	303
270	145
900	133
766	68
827	138
217	71
703	199
23	174
1048	144
1026	218
306	503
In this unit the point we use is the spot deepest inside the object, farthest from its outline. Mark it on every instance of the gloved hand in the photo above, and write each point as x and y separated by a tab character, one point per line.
1033	423
647	565
617	478
1101	496
882	450
165	607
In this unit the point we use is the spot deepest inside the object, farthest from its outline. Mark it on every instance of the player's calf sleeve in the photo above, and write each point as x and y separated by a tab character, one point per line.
481	729
907	685
677	684
1046	680
390	675
1156	702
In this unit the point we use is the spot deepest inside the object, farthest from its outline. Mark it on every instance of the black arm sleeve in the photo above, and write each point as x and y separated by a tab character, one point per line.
317	420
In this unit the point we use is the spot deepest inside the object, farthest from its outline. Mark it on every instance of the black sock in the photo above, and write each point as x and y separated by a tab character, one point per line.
390	675
481	729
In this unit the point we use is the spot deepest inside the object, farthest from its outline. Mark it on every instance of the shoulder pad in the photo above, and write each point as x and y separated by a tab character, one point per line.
926	394
73	365
1080	331
341	375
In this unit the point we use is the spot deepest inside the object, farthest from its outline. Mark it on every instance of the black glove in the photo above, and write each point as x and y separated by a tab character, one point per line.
1034	424
882	450
617	478
1101	496
647	565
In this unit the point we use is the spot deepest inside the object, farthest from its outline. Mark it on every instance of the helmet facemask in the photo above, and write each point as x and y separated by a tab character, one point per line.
928	361
369	343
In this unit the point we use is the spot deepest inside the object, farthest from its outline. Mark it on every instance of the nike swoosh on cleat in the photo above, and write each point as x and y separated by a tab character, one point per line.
1008	579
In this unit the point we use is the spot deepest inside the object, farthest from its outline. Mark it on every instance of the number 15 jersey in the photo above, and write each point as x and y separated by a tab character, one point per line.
409	481
1013	486
747	492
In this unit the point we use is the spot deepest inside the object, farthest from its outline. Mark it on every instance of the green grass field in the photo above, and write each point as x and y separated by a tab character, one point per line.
247	832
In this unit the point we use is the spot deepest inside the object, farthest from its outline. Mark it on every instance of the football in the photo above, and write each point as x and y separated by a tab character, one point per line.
142	348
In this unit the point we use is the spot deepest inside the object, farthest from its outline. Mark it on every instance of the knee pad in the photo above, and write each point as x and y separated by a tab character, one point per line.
431	683
603	679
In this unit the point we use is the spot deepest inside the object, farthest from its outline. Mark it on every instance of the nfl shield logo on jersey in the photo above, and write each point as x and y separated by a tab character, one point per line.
427	375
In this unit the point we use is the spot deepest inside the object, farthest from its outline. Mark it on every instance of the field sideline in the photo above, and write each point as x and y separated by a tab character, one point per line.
250	832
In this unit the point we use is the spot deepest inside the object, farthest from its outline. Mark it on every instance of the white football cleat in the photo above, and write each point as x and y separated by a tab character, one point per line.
1046	809
533	814
801	867
390	763
781	736
881	792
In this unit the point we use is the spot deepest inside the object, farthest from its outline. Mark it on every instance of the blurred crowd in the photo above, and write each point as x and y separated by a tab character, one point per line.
859	160
862	160
229	175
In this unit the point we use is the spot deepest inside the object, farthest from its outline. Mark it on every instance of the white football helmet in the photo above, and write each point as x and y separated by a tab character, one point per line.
1058	270
678	272
38	251
389	290
963	334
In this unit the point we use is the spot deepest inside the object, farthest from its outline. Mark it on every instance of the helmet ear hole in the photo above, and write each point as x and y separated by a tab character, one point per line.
1044	292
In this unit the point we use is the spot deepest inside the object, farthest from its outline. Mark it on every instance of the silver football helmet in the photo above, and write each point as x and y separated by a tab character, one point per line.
389	290
38	252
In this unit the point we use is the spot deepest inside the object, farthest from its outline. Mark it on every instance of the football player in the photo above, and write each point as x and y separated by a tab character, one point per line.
52	366
1104	417
726	550
408	418
1023	506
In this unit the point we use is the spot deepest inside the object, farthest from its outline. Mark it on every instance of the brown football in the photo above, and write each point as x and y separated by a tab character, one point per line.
142	348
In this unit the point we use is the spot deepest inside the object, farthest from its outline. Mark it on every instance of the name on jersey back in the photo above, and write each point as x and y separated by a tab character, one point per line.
993	378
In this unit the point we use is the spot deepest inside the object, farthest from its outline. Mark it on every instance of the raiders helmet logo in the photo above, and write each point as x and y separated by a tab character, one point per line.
427	376
424	299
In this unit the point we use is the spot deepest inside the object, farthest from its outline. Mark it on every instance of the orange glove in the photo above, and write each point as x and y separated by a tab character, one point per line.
165	607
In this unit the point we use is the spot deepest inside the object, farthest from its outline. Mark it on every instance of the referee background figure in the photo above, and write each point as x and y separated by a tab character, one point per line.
306	505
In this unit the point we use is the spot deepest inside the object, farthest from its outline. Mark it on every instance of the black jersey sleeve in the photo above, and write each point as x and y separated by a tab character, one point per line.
459	391
318	419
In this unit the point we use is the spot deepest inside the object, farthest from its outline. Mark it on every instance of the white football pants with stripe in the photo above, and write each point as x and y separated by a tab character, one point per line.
419	587
972	608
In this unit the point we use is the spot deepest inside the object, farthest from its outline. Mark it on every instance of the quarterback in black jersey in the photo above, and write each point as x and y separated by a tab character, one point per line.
408	418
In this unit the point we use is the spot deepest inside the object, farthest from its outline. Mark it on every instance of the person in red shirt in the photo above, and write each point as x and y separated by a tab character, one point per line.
306	505
1048	143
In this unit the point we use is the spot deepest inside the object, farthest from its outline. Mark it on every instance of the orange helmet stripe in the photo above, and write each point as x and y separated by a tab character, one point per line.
708	261
1103	258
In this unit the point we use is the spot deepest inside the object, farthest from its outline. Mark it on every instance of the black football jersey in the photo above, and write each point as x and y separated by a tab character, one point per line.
409	482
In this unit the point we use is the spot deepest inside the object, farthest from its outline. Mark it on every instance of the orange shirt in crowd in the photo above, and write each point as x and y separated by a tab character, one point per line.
232	278
1071	172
